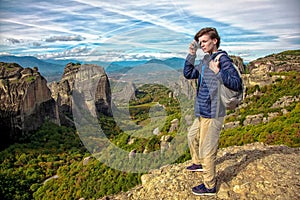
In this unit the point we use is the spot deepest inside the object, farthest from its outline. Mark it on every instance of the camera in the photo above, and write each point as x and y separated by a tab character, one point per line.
196	45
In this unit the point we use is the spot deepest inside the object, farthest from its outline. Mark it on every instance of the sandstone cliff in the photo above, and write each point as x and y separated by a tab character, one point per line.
123	91
238	61
253	171
25	101
62	90
260	70
281	62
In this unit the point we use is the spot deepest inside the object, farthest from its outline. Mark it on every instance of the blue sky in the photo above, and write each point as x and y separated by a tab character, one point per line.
89	30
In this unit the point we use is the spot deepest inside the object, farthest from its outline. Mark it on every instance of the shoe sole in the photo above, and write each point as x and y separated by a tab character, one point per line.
204	194
195	170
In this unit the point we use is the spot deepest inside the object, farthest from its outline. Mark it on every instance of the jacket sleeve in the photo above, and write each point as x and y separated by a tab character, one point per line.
229	74
189	70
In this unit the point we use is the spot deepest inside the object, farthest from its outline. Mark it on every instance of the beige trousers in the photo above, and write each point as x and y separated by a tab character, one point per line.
203	140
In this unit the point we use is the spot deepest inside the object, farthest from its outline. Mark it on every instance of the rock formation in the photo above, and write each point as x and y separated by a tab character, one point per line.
186	87
238	61
282	62
165	142
25	101
174	125
253	119
85	74
123	92
286	101
253	171
260	69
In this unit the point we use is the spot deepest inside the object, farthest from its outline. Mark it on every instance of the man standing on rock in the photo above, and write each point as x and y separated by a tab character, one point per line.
204	134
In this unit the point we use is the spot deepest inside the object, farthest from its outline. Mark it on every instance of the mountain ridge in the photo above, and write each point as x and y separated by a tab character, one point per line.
51	71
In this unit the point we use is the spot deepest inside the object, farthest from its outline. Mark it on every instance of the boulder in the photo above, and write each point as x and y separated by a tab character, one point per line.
253	119
174	125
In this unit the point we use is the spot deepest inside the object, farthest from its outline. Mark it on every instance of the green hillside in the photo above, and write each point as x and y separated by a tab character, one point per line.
283	129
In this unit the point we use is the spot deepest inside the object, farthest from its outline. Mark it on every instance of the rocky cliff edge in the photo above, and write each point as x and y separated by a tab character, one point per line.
253	171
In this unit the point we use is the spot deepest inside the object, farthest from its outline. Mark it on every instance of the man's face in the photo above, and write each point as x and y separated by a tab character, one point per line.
208	45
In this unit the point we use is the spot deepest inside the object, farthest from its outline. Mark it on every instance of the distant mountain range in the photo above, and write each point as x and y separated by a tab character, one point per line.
53	69
176	63
30	61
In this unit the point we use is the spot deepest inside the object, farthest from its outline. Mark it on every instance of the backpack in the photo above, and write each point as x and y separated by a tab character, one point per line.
230	98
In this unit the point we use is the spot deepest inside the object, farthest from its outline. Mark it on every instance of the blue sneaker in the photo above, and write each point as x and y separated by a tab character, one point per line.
202	190
195	168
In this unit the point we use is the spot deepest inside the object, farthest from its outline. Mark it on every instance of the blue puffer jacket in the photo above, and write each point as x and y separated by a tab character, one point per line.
207	100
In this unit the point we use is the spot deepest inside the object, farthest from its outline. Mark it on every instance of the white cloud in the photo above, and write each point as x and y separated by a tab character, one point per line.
5	54
12	41
273	17
64	38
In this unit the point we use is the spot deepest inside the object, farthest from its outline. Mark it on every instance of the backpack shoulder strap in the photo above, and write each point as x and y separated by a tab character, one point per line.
217	58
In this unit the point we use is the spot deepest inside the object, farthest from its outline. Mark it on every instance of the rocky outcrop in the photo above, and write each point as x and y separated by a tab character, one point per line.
165	142
174	125
285	101
186	87
281	62
230	125
253	171
62	90
25	101
123	92
238	61
260	70
253	119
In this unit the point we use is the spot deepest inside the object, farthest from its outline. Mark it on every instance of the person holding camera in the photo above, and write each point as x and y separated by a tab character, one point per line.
204	134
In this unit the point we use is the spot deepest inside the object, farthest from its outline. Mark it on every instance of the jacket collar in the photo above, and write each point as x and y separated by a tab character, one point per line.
213	55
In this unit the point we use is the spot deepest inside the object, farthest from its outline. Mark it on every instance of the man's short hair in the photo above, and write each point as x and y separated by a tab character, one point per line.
212	32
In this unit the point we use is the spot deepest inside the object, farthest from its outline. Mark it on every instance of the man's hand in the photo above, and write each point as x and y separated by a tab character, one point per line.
193	48
214	65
